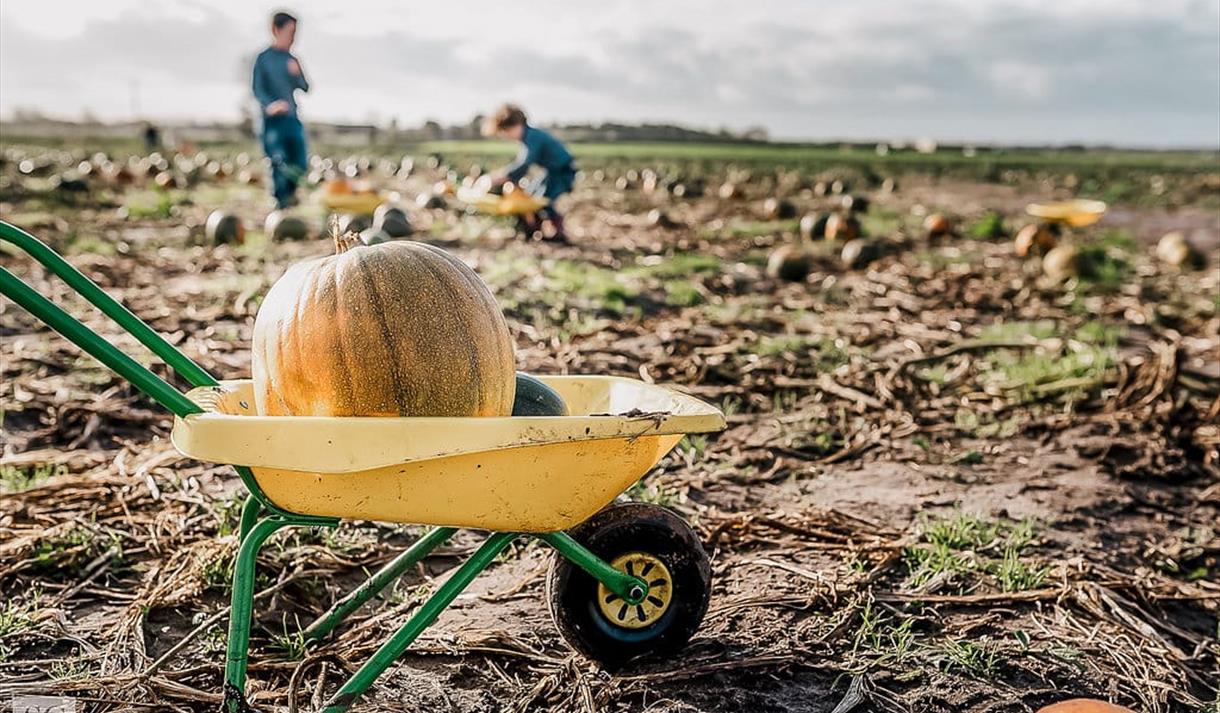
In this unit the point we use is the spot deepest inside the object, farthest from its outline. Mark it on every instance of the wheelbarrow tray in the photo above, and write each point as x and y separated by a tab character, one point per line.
356	203
515	203
514	474
1077	213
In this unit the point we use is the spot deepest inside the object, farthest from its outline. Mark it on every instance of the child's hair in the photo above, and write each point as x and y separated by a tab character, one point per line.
506	117
279	19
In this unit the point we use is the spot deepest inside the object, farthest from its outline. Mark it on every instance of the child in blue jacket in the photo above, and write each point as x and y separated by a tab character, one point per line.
277	78
541	149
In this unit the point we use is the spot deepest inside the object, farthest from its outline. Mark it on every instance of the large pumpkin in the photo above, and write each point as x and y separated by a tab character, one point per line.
398	329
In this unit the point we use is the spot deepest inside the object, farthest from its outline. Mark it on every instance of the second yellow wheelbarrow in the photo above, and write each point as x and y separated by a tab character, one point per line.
354	203
1075	213
631	579
514	203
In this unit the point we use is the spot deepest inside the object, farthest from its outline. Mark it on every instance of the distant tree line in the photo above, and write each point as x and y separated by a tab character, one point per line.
33	123
608	131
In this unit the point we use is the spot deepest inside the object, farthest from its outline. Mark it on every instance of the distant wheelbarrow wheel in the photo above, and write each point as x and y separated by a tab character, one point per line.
647	541
526	229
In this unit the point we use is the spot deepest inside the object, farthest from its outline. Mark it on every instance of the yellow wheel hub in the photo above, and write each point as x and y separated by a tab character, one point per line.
660	591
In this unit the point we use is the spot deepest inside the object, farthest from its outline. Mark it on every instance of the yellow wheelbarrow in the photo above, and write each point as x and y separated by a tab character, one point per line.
354	203
1076	213
515	203
630	579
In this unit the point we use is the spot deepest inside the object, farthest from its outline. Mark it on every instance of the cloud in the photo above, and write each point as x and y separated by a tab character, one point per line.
1033	70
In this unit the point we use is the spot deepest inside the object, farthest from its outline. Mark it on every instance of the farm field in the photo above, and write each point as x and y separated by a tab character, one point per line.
952	480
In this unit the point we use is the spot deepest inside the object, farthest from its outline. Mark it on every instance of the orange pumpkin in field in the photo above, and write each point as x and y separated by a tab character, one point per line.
937	225
1084	705
396	329
338	186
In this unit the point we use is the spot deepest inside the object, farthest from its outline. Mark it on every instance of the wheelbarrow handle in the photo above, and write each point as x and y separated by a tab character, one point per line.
90	341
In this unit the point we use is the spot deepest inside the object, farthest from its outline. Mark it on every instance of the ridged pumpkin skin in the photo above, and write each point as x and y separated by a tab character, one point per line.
398	329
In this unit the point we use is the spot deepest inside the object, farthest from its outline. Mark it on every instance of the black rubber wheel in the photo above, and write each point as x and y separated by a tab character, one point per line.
665	551
524	229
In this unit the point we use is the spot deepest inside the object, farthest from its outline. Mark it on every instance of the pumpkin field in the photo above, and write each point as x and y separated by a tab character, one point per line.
971	463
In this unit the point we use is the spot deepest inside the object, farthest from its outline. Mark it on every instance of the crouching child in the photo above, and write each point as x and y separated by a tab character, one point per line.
538	148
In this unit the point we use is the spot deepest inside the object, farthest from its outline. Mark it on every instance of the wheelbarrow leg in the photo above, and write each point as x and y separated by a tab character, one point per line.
249	515
343	608
424	616
241	610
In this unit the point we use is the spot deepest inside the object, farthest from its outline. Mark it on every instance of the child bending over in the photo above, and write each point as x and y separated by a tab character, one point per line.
541	149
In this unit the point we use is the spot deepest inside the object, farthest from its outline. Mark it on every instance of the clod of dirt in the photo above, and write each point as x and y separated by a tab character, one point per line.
69	184
693	189
790	262
374	236
430	201
353	223
649	180
813	226
1173	249
1033	239
1061	262
855	204
658	218
285	226
842	227
778	209
859	252
165	180
224	227
729	191
392	220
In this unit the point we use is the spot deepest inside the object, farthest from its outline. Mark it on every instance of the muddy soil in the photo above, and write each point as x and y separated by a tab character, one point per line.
947	483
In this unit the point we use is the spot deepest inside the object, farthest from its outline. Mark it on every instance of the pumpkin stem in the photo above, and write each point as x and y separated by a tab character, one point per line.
346	242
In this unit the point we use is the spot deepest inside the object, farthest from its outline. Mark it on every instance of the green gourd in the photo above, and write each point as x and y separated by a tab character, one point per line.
535	398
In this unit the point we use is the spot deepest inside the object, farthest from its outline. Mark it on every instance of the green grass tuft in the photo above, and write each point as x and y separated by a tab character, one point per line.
65	552
17	617
974	549
152	204
1016	575
1018	331
989	227
15	479
880	222
291	642
978	658
682	294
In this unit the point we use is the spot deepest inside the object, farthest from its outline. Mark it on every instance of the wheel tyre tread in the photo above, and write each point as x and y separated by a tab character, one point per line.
622	528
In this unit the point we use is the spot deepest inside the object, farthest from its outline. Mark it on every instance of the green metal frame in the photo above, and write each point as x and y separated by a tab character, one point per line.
261	518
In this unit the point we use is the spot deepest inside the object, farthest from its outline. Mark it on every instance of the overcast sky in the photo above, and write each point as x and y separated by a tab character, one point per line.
1133	72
